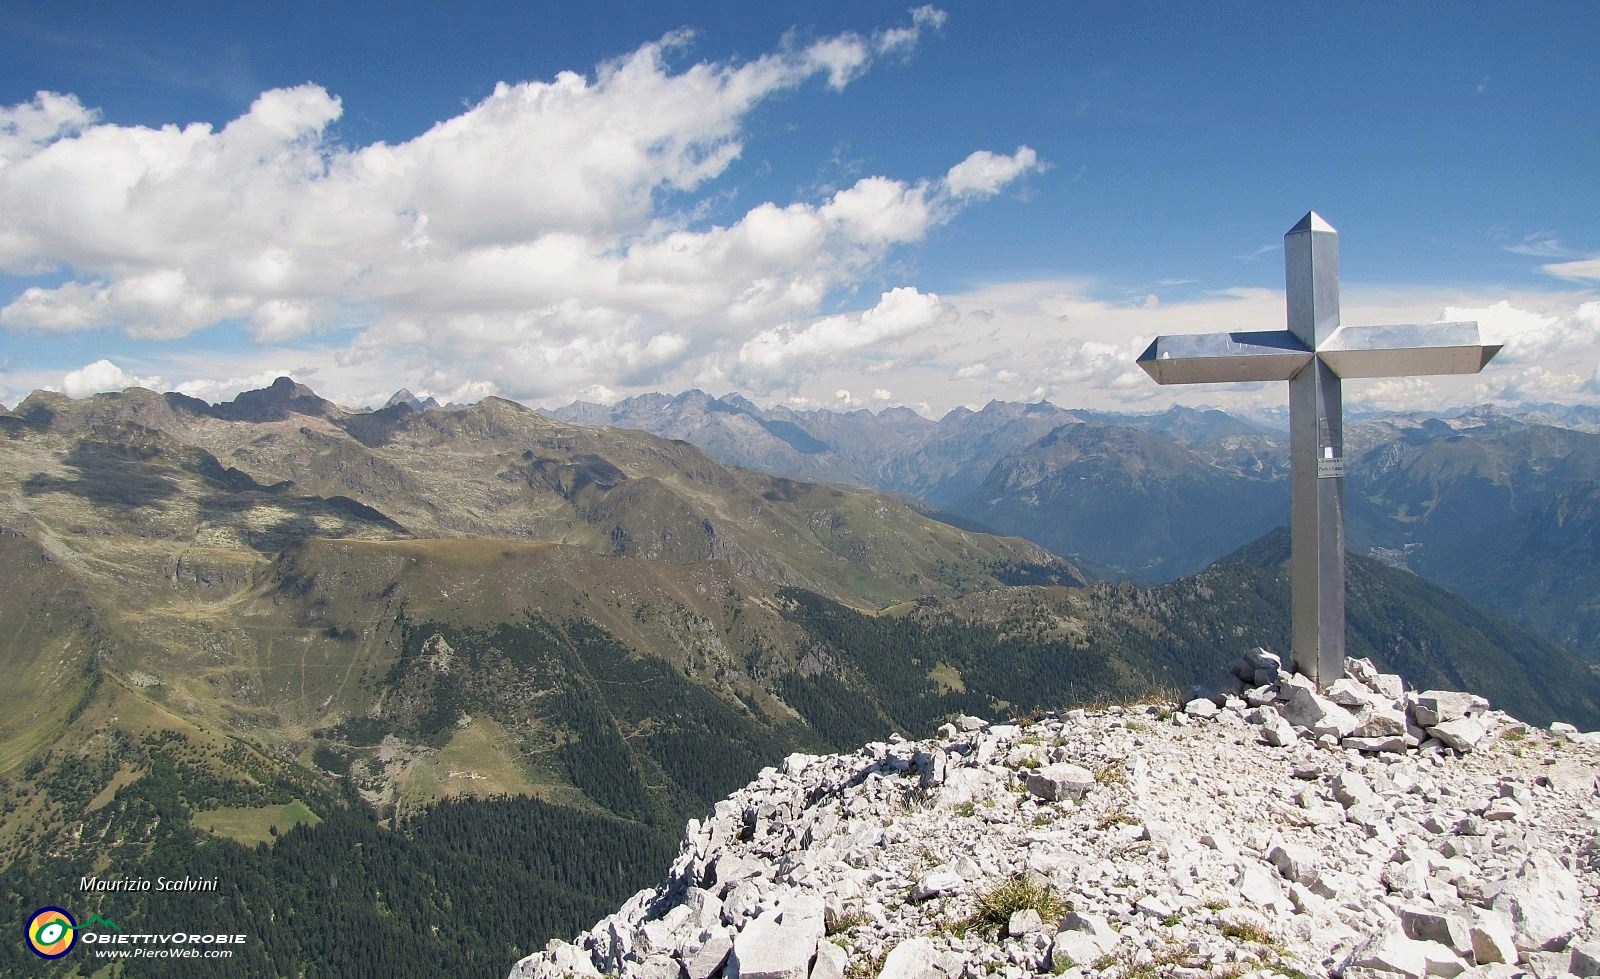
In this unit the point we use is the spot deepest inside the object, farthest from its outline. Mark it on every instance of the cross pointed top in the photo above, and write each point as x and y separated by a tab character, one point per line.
1312	222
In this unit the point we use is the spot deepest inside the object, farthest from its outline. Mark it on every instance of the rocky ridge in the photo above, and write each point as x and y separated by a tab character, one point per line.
1263	830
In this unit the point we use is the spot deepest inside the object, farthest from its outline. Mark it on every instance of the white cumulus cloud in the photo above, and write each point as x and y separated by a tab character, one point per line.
49	115
901	40
899	313
1396	393
103	375
983	173
1531	336
225	389
1583	268
530	241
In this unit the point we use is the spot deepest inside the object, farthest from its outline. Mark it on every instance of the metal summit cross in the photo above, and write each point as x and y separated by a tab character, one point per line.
1314	355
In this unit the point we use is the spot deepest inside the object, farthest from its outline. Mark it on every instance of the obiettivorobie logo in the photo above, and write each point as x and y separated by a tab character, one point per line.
52	932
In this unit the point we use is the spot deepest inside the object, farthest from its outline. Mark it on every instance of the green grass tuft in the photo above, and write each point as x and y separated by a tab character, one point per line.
1244	931
845	922
999	903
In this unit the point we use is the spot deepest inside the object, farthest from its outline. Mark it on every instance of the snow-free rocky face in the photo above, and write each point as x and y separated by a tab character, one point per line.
1268	830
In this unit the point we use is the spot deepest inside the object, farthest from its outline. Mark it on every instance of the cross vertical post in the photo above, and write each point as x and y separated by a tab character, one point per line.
1316	455
1316	521
1315	354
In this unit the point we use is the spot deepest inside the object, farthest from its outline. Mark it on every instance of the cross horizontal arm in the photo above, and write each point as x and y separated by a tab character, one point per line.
1407	351
1211	357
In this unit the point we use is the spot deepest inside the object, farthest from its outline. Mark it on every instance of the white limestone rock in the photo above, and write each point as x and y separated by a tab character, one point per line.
796	763
1347	692
1259	887
1194	838
1394	744
559	960
1094	925
1024	922
1390	951
1434	707
1260	696
1544	902
932	766
1294	861
1585	959
965	786
1351	789
1492	938
776	945
1380	719
832	962
1075	949
1277	731
1431	924
1063	781
1303	707
1387	685
1258	666
914	958
944	880
745	900
657	965
1461	733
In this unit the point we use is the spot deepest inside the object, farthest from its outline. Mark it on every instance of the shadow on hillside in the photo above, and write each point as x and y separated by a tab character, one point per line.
378	428
341	517
109	475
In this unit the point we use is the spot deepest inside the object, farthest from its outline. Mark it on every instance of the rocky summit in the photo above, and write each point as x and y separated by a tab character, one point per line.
1266	829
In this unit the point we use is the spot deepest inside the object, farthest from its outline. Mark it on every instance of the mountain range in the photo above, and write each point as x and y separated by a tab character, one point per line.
1497	505
378	670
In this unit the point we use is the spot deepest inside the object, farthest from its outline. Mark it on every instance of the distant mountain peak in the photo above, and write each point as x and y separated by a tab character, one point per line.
287	387
405	397
737	400
276	401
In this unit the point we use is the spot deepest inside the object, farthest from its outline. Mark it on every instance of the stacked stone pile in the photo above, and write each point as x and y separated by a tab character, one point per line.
1264	830
1366	711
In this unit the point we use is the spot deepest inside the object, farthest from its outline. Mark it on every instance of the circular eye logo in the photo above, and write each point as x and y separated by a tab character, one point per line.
51	933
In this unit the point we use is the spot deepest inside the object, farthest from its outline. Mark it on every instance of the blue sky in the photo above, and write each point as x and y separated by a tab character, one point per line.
820	204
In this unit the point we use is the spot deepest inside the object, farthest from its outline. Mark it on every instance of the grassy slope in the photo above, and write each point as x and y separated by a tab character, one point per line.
252	579
50	641
501	471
